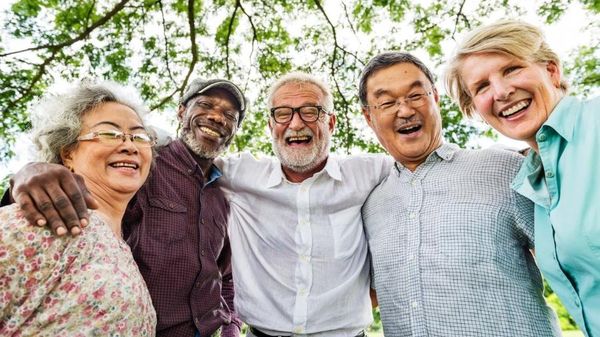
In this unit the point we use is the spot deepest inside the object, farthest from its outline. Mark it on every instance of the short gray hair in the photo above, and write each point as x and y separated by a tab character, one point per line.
385	60
56	119
301	79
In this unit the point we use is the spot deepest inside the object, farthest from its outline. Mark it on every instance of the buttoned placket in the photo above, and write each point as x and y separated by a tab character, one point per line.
303	241
550	179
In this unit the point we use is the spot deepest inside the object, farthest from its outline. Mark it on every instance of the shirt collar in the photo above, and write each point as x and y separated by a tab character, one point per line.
563	118
332	168
444	152
187	161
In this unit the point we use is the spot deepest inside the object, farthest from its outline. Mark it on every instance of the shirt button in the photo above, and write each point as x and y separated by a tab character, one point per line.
202	252
196	320
190	171
412	215
411	257
413	183
414	304
542	137
549	174
298	329
577	304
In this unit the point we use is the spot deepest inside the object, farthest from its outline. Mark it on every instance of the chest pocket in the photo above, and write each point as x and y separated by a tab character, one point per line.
170	220
348	235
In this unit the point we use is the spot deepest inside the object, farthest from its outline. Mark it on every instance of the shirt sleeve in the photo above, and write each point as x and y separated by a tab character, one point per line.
233	328
524	219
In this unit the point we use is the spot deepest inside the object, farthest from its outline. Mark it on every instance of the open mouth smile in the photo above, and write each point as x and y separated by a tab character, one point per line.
129	165
409	129
515	108
210	131
298	140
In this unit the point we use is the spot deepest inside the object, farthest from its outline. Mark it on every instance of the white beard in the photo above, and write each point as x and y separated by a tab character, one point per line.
302	159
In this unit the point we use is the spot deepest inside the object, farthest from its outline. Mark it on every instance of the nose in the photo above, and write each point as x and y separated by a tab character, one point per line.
296	123
404	110
502	89
128	146
216	116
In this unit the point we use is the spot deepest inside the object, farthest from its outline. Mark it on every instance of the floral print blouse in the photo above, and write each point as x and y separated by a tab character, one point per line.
88	285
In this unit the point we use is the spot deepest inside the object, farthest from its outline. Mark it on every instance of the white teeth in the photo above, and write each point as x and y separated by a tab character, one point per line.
409	128
133	166
514	108
209	131
300	138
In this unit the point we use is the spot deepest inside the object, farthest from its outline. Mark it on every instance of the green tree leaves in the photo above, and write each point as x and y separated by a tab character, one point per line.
158	46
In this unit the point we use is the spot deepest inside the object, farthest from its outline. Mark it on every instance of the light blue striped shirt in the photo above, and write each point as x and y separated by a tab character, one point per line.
450	249
563	182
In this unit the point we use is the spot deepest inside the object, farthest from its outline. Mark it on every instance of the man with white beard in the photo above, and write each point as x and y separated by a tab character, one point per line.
299	252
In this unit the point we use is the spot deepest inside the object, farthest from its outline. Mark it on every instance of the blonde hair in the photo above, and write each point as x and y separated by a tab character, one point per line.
510	37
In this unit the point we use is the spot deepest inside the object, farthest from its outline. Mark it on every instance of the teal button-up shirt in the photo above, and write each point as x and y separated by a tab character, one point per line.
563	182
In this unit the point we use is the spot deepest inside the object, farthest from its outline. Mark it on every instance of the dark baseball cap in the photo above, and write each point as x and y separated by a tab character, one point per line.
200	85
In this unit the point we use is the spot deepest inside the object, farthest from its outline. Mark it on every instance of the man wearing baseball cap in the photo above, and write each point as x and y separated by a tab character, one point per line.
177	232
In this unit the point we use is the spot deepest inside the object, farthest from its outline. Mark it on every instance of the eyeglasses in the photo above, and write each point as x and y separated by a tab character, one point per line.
415	100
114	137
308	114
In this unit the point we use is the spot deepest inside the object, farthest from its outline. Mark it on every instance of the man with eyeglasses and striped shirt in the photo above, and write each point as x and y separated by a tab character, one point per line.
449	240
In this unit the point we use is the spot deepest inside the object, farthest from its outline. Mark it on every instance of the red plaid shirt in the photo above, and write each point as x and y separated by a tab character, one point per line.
177	229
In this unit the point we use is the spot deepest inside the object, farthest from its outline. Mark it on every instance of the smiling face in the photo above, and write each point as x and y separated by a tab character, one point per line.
409	134
512	95
209	122
301	146
108	168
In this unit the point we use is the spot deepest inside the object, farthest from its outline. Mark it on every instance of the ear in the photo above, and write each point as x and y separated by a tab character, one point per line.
181	112
270	123
367	116
436	96
554	72
331	122
65	156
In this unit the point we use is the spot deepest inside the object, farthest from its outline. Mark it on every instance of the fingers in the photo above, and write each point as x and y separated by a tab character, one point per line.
49	194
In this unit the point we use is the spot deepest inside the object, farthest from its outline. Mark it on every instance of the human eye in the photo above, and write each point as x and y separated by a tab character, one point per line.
203	104
231	115
282	113
142	138
480	88
309	111
109	134
387	105
512	69
415	96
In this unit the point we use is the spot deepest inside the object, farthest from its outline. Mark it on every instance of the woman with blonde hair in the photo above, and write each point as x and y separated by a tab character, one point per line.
507	74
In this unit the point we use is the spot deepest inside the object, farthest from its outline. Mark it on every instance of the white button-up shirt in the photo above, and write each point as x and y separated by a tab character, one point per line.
300	261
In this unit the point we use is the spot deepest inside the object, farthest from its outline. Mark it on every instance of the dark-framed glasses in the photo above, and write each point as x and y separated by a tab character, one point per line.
114	137
309	113
414	100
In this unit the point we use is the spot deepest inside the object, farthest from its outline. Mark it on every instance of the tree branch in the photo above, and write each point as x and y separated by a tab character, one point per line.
193	61
460	14
254	41
83	35
336	46
229	29
164	26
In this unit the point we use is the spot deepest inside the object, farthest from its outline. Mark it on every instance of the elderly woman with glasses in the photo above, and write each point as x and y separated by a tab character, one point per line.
88	284
507	74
